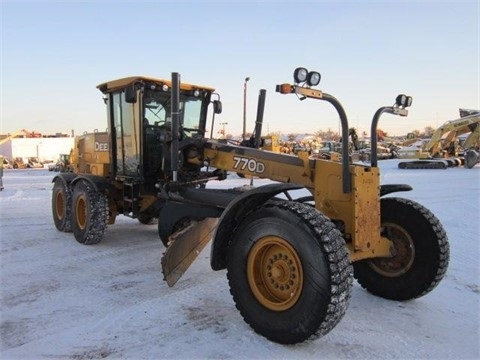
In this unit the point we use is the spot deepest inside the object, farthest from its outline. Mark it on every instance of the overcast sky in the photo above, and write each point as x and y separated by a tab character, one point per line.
55	53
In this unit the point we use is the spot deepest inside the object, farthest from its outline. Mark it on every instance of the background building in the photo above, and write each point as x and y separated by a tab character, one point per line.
45	149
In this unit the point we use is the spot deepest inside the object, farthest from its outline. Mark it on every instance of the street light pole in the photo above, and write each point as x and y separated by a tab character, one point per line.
245	108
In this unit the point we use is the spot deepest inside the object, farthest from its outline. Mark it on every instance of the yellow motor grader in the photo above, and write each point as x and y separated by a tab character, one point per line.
291	248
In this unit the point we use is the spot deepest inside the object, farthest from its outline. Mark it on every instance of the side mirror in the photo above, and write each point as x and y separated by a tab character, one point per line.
131	94
217	106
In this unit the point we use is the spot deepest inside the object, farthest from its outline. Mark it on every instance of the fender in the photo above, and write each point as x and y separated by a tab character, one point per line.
235	212
99	183
172	212
66	177
391	188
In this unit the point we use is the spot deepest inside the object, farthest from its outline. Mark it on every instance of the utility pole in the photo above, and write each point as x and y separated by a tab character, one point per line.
245	108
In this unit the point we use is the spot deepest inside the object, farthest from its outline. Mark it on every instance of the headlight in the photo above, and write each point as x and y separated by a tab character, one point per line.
403	100
313	78
300	75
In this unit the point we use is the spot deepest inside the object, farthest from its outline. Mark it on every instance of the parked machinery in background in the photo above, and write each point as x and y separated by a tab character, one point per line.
445	149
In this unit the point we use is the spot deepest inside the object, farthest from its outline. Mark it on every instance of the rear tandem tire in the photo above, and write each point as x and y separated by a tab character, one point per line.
289	272
62	205
422	253
89	214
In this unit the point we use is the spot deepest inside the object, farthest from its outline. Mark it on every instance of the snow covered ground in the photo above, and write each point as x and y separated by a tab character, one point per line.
63	300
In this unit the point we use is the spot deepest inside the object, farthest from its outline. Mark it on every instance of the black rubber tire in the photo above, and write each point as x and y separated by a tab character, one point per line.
471	158
321	285
89	214
62	206
422	253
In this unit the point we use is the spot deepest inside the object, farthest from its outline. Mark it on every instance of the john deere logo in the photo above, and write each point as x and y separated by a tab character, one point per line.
101	146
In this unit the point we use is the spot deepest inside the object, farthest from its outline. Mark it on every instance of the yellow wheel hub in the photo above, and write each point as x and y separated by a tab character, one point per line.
275	273
81	212
59	211
404	253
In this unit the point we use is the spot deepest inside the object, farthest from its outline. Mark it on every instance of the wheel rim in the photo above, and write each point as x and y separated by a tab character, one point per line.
59	201
274	273
81	212
404	256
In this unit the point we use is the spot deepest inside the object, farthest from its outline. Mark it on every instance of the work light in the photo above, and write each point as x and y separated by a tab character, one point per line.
403	100
300	75
313	78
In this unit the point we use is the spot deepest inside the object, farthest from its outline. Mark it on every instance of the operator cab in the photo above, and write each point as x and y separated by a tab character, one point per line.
140	123
157	125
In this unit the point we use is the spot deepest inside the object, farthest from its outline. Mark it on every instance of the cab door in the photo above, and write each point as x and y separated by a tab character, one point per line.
127	136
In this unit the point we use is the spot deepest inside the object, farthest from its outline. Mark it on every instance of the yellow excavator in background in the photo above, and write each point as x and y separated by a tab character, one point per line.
445	147
26	133
11	136
441	145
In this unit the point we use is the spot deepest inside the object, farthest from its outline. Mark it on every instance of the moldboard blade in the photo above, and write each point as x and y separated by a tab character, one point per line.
184	247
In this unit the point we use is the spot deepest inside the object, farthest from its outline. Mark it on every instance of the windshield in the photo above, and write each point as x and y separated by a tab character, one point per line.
157	110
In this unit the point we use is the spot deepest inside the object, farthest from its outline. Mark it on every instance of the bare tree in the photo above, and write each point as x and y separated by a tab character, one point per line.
429	131
416	133
328	135
292	136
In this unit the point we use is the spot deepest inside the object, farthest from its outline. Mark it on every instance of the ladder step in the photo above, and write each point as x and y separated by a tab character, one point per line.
131	194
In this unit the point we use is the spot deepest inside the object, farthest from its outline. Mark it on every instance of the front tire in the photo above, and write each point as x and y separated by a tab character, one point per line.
62	205
89	214
422	253
289	272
